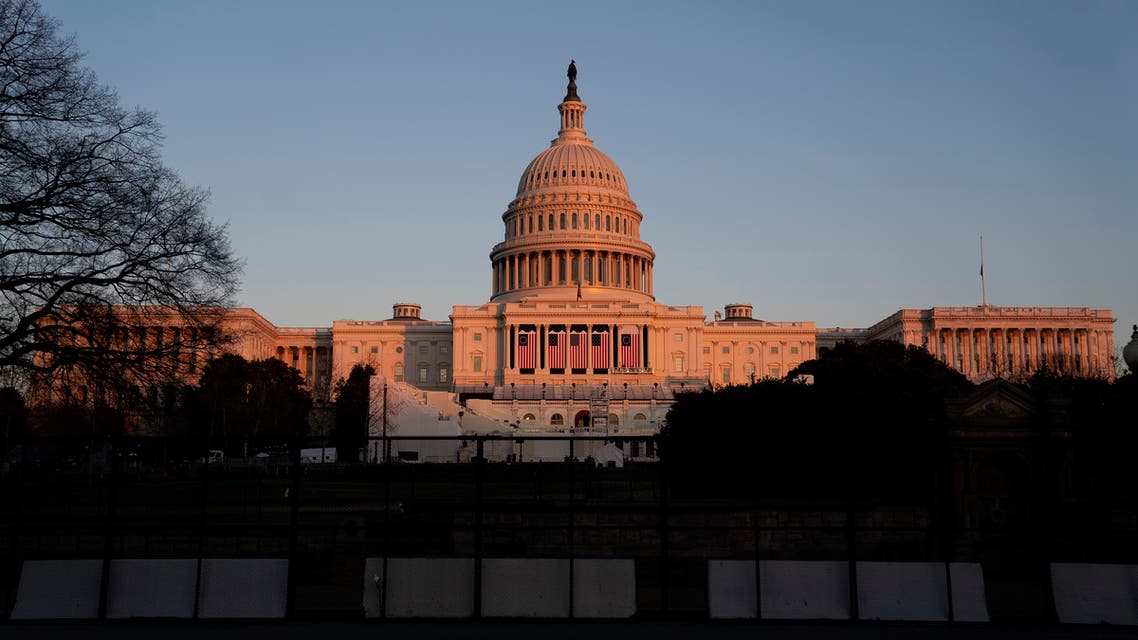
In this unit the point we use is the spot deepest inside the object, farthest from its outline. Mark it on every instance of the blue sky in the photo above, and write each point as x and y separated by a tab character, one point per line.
825	161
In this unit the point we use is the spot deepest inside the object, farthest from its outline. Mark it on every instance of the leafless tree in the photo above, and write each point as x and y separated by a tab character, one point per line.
99	241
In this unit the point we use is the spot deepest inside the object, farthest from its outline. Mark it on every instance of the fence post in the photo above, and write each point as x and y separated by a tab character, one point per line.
572	523
108	529
479	478
293	526
663	524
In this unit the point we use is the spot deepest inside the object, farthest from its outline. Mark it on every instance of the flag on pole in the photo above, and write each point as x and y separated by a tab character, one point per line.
578	290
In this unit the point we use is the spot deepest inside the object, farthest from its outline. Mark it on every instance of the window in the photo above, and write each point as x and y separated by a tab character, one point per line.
531	223
355	349
398	349
707	350
794	351
774	349
541	223
726	349
678	363
585	221
375	349
424	372
444	348
477	336
422	349
598	225
640	417
574	220
399	372
608	223
529	417
478	363
679	337
444	374
725	375
750	350
749	371
774	372
614	420
562	220
556	419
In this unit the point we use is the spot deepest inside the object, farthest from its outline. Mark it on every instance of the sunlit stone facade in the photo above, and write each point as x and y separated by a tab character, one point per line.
572	262
572	334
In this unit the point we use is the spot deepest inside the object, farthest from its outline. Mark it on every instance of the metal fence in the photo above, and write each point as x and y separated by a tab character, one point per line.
111	498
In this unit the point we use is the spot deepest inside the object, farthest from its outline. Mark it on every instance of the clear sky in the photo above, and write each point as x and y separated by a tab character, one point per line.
826	161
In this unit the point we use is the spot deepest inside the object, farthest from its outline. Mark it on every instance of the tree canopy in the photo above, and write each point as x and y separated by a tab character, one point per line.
353	404
872	418
236	397
91	221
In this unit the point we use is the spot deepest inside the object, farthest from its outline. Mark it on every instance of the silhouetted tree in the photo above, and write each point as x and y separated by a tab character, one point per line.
13	415
872	421
236	397
92	221
352	409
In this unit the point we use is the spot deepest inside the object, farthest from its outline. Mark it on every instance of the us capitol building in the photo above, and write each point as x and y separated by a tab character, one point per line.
573	336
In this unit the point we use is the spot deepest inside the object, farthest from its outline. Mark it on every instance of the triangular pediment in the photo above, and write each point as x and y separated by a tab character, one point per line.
999	400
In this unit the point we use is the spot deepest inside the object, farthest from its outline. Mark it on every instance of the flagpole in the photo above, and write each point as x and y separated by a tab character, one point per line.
983	286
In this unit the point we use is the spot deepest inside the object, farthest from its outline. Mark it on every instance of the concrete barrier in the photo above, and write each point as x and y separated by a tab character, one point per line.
800	590
151	588
420	588
791	589
525	588
604	588
1095	593
243	588
55	589
512	587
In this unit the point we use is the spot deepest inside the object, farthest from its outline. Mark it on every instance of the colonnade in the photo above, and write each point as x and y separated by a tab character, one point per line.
569	266
303	359
990	352
613	359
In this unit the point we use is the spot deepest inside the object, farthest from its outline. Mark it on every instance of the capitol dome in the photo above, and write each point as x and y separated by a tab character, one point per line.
572	229
571	162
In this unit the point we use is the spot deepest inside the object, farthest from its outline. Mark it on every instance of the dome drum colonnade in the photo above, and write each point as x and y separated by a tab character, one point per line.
572	224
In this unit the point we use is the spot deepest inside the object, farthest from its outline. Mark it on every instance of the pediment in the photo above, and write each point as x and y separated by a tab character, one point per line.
1002	401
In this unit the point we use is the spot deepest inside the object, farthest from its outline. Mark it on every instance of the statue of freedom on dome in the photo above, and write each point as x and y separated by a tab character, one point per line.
571	94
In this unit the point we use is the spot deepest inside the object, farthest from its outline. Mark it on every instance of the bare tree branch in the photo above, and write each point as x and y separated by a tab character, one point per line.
109	265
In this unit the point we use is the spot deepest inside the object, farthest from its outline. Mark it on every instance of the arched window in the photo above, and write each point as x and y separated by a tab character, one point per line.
556	419
640	417
749	371
562	220
541	223
586	221
531	223
598	225
551	222
608	223
529	417
574	220
614	420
